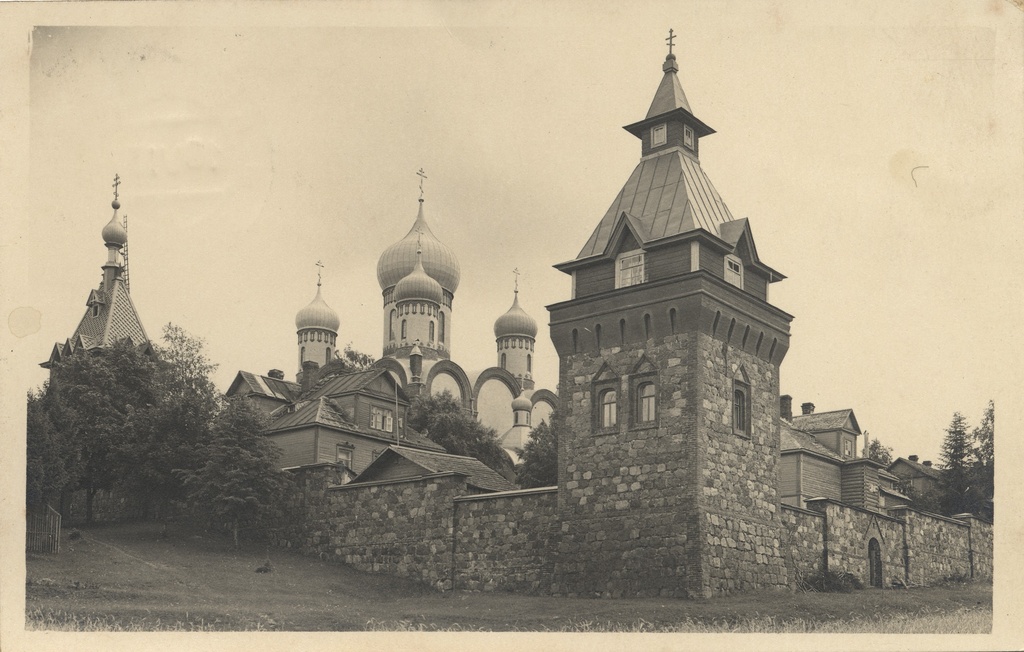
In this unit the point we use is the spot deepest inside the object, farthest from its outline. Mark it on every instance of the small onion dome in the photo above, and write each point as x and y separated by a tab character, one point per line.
522	403
317	315
418	285
515	322
399	259
114	232
416	350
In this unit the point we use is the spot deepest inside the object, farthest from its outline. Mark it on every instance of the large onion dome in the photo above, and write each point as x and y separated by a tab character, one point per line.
418	285
114	232
399	259
515	322
522	403
317	315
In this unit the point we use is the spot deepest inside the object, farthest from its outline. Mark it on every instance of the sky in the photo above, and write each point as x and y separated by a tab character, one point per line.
875	150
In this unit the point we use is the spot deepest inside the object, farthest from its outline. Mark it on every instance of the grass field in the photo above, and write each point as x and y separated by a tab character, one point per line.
129	578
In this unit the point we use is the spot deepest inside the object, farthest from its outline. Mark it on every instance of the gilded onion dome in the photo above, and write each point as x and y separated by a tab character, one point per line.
522	403
317	315
114	232
399	260
515	322
418	285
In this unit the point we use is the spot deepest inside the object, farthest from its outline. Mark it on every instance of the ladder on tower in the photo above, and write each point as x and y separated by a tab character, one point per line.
124	254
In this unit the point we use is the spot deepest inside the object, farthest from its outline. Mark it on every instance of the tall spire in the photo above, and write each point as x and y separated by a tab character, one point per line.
670	95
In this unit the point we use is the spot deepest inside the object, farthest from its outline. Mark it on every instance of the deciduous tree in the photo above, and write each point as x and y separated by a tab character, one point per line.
442	419
539	457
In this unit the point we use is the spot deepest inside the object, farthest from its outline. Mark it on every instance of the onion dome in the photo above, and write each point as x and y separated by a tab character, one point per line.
418	285
114	232
399	260
515	322
317	315
522	403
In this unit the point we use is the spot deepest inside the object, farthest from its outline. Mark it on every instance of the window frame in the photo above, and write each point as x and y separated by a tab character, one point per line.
619	280
730	275
346	448
613	422
659	134
689	138
740	388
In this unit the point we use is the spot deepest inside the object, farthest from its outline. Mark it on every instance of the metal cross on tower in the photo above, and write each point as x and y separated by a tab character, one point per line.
320	267
516	272
117	182
671	37
422	175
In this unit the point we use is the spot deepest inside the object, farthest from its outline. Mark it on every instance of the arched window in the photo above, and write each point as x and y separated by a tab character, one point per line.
403	329
440	320
327	356
575	341
672	320
319	336
647	327
622	331
391	325
302	355
608	412
503	363
431	331
529	363
597	335
645	403
740	411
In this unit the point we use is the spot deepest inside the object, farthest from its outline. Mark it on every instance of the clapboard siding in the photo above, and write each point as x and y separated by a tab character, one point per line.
712	262
599	277
666	262
755	284
820	479
789	484
296	447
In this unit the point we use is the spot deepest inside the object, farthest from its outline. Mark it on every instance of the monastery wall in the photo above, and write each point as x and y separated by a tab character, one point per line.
937	547
803	541
505	541
848	533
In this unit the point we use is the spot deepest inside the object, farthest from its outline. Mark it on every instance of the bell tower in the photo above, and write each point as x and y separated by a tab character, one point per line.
669	357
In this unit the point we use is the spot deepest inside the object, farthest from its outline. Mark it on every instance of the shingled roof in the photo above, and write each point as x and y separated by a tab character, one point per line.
930	471
477	473
793	439
276	388
818	421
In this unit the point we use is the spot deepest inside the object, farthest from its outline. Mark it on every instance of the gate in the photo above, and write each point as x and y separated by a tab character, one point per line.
875	562
42	531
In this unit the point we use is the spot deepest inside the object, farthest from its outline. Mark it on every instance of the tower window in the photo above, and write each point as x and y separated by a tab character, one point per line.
645	403
403	329
327	356
431	331
658	135
440	321
630	269
391	325
302	355
608	409
688	137
95	310
381	419
529	363
502	360
741	409
734	271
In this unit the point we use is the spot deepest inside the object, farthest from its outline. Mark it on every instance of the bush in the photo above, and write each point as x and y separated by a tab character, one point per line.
831	582
74	534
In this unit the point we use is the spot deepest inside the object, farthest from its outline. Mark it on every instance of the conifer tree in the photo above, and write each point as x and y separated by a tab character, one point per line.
957	460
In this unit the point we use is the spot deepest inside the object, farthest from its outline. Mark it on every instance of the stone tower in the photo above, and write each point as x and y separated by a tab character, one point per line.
669	376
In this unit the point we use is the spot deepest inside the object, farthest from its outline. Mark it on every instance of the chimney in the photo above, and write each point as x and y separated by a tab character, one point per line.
276	373
309	368
807	408
786	407
912	458
927	463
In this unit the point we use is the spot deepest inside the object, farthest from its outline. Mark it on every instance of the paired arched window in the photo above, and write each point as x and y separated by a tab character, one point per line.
646	403
609	416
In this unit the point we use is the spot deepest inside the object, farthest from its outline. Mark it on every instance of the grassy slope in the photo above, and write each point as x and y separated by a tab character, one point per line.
129	577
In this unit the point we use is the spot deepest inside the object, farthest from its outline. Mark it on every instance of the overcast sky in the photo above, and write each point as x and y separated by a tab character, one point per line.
251	146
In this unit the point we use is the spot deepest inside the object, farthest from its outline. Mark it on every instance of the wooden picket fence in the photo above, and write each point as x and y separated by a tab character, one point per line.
42	531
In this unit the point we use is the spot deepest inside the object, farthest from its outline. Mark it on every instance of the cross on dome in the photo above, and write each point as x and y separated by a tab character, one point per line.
117	182
320	267
671	37
516	272
422	175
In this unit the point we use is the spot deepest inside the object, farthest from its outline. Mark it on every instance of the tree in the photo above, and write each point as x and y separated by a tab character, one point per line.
957	457
355	360
983	440
97	401
442	419
50	456
179	424
539	465
238	482
879	452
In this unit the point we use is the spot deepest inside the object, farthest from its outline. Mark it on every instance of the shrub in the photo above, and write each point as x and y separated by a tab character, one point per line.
74	534
831	581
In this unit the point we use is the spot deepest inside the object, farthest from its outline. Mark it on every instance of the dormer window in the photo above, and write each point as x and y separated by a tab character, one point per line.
688	137
629	269
734	271
658	135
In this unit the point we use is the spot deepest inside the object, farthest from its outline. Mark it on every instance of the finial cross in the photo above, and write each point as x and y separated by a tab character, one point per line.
320	267
117	182
422	175
671	37
516	272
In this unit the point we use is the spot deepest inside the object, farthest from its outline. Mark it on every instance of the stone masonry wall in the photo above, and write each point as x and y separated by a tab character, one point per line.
937	547
506	541
803	541
738	501
628	495
981	547
849	530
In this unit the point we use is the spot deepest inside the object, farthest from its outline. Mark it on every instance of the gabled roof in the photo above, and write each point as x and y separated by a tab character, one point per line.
477	473
355	381
794	439
666	195
116	317
820	421
921	469
266	386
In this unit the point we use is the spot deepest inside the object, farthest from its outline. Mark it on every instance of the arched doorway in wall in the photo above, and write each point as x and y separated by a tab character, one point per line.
875	563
